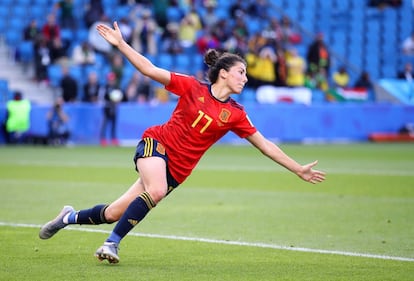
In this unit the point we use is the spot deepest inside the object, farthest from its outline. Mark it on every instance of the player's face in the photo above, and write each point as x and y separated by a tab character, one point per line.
237	77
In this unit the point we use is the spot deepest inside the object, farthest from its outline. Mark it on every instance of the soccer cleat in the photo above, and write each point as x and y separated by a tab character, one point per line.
50	228
108	251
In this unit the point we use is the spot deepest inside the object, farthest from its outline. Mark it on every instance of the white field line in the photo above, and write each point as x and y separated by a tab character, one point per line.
219	167
228	242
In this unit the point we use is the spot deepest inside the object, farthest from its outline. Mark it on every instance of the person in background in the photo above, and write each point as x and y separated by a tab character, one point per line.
408	45
167	154
83	54
42	59
31	31
364	81
296	68
51	29
144	34
17	119
318	55
340	78
57	120
112	96
92	88
68	86
407	72
138	88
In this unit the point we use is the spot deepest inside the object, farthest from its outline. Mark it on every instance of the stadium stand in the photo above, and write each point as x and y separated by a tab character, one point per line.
360	37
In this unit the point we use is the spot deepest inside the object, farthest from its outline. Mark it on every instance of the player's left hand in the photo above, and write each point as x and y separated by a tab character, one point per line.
112	35
310	175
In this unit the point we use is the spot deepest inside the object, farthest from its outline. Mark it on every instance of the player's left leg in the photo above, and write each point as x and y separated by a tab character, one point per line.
96	215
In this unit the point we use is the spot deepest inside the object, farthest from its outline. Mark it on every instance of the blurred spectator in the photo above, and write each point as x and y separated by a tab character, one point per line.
112	96
126	29
238	9
318	56
68	86
407	73
261	67
280	66
171	40
58	50
381	4
273	32
160	12
316	80
51	28
83	54
17	122
145	33
117	68
58	124
209	19
92	88
188	29
289	34
240	27
31	31
296	68
340	78
222	31
98	43
138	88
364	81
65	11
93	12
42	59
206	41
258	9
236	44
408	45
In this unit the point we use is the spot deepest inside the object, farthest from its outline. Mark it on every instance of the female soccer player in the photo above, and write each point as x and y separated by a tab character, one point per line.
166	154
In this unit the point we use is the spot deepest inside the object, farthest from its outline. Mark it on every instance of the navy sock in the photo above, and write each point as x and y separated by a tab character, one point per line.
94	215
135	212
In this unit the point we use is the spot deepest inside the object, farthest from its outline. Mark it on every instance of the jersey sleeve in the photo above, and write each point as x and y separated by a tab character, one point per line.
180	84
244	127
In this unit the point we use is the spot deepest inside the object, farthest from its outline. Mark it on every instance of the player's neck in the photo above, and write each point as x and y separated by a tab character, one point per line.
219	93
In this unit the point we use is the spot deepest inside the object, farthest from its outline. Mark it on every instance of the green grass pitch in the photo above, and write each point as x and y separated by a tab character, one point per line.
239	216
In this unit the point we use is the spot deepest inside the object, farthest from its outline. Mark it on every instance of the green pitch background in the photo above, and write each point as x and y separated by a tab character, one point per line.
366	207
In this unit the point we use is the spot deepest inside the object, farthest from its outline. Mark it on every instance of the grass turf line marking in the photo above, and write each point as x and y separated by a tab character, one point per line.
228	242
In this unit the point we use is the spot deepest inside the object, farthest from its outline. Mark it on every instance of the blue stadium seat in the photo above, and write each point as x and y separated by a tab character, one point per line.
4	90
165	60
26	51
54	72
13	38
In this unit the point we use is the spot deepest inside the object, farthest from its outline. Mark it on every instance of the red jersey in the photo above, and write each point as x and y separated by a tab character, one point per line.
197	122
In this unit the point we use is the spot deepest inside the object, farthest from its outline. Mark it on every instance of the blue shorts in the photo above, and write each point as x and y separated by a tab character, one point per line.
149	147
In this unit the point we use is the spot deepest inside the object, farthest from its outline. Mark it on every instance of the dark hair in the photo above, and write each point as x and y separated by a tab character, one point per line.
217	60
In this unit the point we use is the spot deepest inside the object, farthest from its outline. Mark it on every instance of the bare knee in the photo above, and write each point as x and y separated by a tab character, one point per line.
112	214
157	194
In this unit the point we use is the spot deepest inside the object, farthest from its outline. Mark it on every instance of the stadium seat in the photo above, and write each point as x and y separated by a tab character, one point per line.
54	72
26	51
4	90
13	38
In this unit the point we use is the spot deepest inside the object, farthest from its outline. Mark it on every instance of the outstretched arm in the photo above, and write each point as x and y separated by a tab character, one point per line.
272	151
141	63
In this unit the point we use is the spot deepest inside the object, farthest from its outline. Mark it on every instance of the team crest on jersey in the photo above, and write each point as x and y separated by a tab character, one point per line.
224	115
160	149
201	99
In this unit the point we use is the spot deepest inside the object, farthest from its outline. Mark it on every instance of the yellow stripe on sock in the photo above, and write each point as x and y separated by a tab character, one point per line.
148	200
